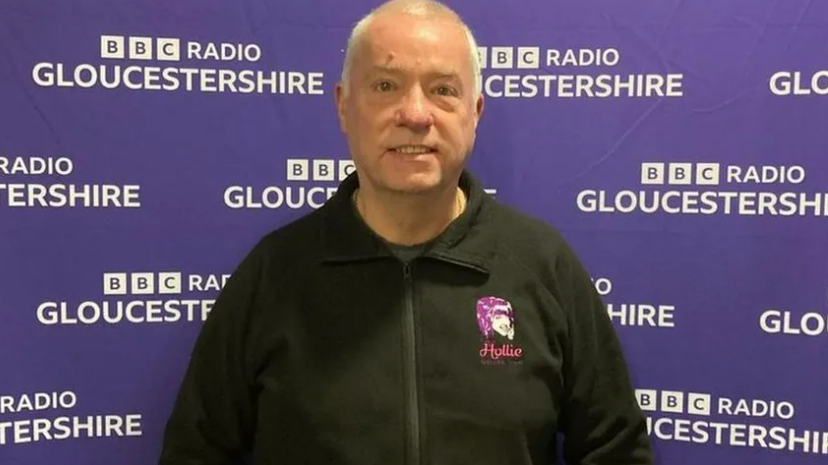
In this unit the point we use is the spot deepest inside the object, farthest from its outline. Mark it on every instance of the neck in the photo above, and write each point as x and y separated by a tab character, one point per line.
409	219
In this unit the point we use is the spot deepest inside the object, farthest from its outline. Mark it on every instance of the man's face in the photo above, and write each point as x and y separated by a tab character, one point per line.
410	111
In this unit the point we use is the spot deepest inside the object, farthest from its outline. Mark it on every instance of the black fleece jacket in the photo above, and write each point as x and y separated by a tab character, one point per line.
324	348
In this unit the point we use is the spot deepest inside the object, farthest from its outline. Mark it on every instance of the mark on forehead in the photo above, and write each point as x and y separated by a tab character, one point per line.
389	58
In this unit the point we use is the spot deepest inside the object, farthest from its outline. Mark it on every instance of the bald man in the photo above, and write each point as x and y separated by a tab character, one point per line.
412	319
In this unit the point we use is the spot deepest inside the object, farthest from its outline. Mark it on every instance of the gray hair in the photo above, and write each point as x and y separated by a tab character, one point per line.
420	9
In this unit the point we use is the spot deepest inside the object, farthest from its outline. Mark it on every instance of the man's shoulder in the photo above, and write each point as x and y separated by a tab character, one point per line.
298	238
521	229
534	241
542	250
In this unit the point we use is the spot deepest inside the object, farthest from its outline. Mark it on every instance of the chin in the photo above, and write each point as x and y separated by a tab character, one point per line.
415	183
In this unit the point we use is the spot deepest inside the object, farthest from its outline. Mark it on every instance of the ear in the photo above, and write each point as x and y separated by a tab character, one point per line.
478	108
339	98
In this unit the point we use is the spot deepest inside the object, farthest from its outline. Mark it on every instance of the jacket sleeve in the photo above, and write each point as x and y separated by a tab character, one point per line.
212	421
601	421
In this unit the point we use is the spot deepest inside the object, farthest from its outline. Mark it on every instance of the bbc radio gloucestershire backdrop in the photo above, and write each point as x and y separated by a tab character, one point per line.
679	146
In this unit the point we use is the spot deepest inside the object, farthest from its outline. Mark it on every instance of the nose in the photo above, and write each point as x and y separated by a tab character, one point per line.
414	111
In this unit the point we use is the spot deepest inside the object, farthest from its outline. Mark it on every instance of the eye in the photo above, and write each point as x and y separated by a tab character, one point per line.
384	86
446	91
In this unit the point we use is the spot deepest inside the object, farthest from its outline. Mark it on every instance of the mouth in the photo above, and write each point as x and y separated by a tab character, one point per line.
413	149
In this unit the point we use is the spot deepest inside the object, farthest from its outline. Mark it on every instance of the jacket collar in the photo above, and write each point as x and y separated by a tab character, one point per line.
470	240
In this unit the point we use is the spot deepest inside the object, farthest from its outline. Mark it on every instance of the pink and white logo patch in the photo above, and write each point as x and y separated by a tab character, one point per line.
496	321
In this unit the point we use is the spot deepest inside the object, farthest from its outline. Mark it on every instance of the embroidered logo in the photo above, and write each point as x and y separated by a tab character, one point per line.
496	321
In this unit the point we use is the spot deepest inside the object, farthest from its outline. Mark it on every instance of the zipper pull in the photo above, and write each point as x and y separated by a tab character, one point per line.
407	270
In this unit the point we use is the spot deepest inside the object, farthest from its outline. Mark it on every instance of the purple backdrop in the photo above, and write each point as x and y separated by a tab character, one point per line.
145	146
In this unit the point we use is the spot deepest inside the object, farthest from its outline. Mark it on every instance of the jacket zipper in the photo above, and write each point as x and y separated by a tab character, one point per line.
410	346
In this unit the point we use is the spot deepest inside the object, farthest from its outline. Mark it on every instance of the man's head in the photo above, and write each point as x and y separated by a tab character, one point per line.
409	99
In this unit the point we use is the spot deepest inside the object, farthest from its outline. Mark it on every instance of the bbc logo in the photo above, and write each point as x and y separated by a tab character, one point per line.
141	283
140	48
319	170
650	400
703	174
509	57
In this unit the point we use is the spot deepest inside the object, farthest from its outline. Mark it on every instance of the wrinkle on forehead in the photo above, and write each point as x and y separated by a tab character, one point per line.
421	39
428	34
433	31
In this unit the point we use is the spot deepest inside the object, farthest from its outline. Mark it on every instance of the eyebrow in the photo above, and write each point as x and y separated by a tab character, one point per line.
395	70
386	69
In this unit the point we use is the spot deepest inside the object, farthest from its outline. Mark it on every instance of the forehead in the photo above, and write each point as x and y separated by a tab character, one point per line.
404	41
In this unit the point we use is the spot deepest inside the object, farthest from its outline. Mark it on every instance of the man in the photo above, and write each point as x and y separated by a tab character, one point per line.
412	319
